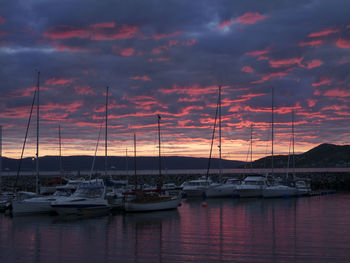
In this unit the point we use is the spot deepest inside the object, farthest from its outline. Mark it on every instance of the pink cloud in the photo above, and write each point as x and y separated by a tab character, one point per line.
54	81
247	69
144	78
257	52
160	36
2	20
314	63
337	93
127	52
225	23
251	18
101	31
269	76
193	90
285	62
247	18
173	42
158	59
103	25
311	102
342	43
159	50
312	43
322	81
335	107
323	33
84	90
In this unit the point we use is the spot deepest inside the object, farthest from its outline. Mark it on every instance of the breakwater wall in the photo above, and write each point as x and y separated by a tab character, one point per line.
322	179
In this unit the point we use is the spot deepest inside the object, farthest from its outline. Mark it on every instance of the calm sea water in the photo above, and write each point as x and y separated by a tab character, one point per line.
315	229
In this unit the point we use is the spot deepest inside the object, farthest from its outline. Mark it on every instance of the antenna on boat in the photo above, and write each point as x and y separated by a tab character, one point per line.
37	136
106	131
159	186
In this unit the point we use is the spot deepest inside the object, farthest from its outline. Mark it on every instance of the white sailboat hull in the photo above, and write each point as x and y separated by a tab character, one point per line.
152	206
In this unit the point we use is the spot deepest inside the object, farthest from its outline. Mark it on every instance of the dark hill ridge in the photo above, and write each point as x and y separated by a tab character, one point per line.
83	163
324	155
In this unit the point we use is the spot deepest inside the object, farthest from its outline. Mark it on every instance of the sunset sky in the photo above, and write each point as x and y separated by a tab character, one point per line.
168	58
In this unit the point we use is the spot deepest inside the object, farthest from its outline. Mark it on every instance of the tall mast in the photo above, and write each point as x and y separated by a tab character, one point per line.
106	132
159	187
135	162
37	136
60	147
293	160
272	134
0	157
220	162
251	146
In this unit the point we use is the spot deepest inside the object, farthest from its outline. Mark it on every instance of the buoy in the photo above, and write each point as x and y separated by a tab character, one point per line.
204	204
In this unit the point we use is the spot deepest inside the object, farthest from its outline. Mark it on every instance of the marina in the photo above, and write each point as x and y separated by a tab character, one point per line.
312	229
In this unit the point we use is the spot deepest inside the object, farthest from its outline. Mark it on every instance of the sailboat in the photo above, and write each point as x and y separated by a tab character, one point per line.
276	189
228	186
90	197
146	201
30	203
198	187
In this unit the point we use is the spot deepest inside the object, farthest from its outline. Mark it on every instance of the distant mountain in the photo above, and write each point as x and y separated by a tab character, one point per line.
83	163
324	155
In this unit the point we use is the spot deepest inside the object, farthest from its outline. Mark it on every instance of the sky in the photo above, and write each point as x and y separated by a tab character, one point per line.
168	58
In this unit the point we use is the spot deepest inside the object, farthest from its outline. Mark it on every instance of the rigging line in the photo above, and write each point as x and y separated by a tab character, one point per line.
212	138
93	161
25	139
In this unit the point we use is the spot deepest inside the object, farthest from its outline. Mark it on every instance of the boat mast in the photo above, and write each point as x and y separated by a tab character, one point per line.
212	139
159	186
272	134
135	175
37	136
60	148
220	162
293	160
0	157
251	146
106	131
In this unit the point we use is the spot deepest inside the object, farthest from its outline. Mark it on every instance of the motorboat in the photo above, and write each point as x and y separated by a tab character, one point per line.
252	186
88	199
197	187
38	205
303	187
227	189
279	190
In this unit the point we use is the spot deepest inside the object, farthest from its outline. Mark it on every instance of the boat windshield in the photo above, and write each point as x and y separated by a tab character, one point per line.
89	192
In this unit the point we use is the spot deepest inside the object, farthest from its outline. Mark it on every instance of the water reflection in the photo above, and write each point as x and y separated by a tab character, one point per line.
313	229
